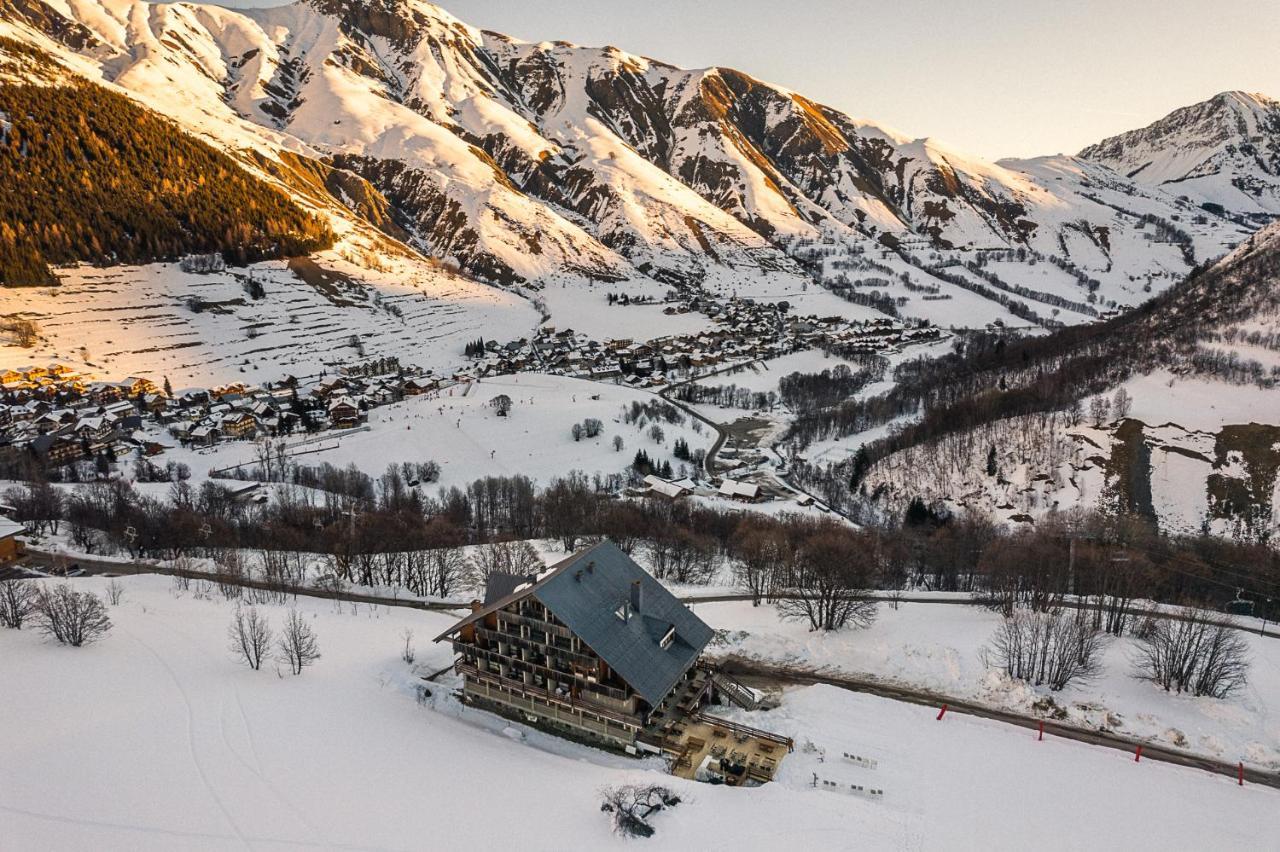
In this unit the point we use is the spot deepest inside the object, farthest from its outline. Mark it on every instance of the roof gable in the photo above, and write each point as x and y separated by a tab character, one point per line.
586	595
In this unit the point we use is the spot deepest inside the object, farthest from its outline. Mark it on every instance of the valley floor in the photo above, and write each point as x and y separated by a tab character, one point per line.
156	739
460	430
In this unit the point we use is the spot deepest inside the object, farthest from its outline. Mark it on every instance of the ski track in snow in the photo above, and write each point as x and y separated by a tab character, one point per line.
197	744
191	739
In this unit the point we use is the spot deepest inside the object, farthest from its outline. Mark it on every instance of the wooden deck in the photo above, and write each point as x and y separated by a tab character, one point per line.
758	754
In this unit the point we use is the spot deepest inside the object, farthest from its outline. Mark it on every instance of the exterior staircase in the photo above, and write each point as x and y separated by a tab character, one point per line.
735	692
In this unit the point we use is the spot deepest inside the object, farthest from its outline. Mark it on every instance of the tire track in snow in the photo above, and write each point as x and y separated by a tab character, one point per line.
255	768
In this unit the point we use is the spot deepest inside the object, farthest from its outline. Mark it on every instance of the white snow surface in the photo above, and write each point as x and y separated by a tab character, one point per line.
459	429
939	647
156	739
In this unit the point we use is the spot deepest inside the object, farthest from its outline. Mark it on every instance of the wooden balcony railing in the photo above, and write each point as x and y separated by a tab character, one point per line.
547	696
547	671
585	660
536	623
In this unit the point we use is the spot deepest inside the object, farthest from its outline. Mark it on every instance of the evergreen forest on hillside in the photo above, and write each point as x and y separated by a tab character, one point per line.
89	175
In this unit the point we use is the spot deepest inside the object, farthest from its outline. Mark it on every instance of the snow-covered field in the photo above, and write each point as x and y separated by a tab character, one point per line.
142	320
1196	403
587	311
939	647
461	430
156	739
764	376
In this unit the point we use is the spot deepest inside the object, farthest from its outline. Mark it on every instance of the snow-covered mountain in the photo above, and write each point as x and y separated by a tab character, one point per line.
1192	447
527	164
1223	152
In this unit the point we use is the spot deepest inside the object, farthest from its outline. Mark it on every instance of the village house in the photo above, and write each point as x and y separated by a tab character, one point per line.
135	386
659	487
206	434
238	424
734	489
56	450
11	549
343	412
416	387
94	429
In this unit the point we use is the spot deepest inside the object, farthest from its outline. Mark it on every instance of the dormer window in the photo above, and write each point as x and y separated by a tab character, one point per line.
623	611
667	639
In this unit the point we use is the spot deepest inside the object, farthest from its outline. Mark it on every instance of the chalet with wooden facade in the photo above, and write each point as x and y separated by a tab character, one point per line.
592	646
596	649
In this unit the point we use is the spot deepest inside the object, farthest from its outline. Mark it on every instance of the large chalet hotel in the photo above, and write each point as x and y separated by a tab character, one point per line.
596	649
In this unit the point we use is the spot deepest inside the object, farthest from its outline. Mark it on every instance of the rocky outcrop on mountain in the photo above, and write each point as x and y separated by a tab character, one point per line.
51	22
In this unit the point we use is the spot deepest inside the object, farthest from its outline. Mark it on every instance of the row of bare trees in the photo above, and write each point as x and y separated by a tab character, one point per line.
1048	648
818	570
399	538
251	639
62	613
1187	649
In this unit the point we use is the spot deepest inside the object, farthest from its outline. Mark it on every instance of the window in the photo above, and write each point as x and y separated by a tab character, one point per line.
667	639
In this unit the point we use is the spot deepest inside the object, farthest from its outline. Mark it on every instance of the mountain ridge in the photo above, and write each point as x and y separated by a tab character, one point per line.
523	164
1224	152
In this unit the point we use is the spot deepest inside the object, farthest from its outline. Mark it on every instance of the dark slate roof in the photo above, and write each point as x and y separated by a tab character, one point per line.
586	591
499	585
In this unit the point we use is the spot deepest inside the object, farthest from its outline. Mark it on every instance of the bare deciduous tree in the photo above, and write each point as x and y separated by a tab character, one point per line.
501	404
1099	410
678	555
1023	569
1121	403
505	557
1054	647
444	566
760	555
831	575
115	592
408	653
298	644
632	804
231	569
39	506
25	332
73	618
1193	652
17	603
250	636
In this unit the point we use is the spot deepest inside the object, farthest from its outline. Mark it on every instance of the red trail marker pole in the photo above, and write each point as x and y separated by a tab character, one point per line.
1137	755
1240	772
1041	737
942	712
